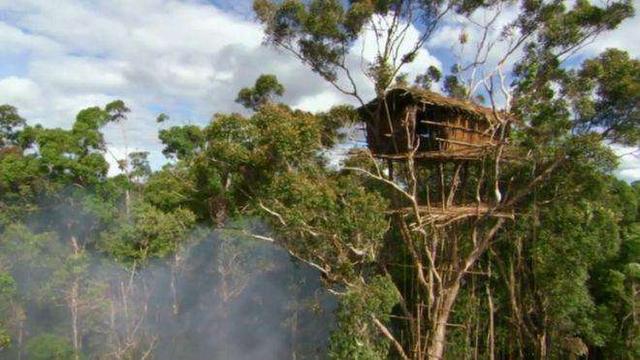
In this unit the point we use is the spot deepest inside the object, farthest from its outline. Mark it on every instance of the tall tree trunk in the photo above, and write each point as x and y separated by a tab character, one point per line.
73	307
127	202
74	302
294	332
491	334
542	345
440	321
20	337
173	283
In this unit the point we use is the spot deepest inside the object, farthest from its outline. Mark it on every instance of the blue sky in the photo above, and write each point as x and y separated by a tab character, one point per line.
185	58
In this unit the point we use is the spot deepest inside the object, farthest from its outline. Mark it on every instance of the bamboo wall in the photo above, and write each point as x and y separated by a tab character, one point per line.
431	128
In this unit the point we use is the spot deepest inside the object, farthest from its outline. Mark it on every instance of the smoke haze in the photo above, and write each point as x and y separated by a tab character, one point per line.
223	297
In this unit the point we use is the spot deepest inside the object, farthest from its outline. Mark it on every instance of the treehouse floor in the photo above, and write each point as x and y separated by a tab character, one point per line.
440	216
448	155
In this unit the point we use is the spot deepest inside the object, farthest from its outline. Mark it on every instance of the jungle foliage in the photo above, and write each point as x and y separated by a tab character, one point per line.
560	280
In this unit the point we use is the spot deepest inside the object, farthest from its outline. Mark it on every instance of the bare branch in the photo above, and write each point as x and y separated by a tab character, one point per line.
380	178
385	331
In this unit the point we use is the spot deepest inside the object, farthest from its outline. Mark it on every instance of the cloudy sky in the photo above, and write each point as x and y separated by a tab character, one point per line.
185	58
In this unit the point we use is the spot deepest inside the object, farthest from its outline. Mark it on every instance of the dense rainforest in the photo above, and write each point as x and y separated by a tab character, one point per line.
277	234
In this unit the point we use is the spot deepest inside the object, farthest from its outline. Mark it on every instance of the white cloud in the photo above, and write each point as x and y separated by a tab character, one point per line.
446	37
629	167
319	102
16	41
20	91
78	74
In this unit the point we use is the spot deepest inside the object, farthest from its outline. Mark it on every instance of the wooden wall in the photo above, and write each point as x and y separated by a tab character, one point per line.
433	128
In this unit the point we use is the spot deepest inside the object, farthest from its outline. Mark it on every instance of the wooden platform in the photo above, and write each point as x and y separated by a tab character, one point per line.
439	216
470	154
436	155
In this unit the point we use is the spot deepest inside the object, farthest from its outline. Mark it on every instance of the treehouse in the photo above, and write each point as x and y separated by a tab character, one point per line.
432	125
437	130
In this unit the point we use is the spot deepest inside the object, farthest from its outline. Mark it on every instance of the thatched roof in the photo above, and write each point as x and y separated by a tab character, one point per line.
430	98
